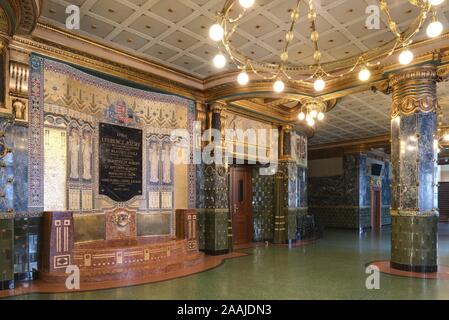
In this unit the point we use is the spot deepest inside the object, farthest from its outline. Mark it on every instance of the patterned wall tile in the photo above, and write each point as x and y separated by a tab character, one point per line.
263	206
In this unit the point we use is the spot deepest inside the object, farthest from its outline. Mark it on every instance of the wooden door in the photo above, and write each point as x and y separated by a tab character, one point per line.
241	205
376	210
443	201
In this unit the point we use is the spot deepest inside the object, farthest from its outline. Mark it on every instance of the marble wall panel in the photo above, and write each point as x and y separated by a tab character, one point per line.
26	247
89	227
263	206
151	224
427	166
6	253
18	136
409	156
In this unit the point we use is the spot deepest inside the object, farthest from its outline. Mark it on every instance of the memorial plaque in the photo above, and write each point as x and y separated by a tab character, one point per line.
120	162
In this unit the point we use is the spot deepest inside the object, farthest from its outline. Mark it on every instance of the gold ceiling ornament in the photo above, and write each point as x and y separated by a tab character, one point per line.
233	12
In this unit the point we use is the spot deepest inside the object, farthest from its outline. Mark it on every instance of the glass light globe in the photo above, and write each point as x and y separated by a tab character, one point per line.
446	137
319	85
216	32
364	74
436	2
434	29
320	116
311	122
301	116
279	86
246	3
219	61
243	78
314	114
406	57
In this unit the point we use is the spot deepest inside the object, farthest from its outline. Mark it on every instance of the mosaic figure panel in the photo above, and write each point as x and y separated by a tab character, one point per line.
68	103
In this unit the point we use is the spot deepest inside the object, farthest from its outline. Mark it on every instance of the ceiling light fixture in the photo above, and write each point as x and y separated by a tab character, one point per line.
406	57
246	3
278	86
312	109
319	84
243	78
436	2
364	74
228	25
216	32
435	27
219	61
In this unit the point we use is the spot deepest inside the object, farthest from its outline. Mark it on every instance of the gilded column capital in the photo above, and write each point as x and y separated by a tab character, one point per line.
414	90
19	16
218	107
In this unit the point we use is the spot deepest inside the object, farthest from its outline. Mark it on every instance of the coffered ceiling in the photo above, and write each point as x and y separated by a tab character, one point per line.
175	32
364	115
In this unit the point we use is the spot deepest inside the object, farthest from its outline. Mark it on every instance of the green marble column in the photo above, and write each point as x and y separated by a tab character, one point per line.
413	170
290	193
216	191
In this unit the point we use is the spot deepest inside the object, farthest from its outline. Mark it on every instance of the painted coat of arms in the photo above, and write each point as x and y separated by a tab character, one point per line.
120	113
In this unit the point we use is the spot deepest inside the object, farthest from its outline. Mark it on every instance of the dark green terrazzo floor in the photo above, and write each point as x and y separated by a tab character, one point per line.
332	268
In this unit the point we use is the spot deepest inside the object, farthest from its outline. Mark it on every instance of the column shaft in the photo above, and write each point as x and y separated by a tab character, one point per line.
413	171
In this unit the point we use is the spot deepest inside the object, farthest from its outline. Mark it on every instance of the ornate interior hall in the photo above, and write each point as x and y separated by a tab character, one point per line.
224	149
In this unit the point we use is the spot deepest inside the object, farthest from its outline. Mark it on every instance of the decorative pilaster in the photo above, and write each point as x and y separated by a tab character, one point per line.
3	73
218	230
414	164
290	190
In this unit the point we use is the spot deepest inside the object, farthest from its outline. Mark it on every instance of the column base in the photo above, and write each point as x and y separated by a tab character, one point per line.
216	252
413	268
414	238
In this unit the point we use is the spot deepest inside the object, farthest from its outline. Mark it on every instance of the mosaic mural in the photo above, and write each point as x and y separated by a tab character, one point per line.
66	107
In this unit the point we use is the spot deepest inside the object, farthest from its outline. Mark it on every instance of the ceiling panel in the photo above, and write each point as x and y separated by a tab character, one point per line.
182	26
364	115
175	33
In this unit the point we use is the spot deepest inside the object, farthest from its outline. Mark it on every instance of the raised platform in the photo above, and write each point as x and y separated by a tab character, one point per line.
127	259
122	255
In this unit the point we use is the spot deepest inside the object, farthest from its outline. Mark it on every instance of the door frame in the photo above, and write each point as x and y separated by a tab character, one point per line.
231	202
376	215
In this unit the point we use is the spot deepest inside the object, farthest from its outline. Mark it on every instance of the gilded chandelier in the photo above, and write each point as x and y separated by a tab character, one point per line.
229	18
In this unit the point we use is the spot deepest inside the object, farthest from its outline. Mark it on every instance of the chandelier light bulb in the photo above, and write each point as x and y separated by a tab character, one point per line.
319	85
279	86
436	2
301	116
434	29
246	3
364	74
216	32
243	78
311	122
446	137
219	61
320	116
406	57
314	114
